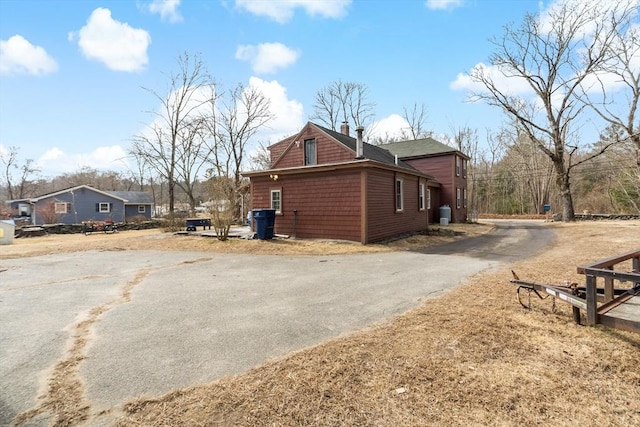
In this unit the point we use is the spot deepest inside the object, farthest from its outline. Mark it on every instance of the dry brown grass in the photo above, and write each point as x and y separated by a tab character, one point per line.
471	357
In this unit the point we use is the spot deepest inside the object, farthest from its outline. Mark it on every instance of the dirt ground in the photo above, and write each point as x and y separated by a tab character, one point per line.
474	356
157	239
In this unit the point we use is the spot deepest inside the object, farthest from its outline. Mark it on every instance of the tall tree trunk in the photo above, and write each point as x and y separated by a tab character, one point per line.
563	181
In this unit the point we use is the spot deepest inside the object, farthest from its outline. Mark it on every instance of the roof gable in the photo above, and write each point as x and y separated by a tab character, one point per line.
135	197
71	190
370	151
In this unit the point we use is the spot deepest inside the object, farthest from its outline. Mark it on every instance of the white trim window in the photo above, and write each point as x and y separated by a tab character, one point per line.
457	166
310	155
457	198
428	198
421	200
104	207
399	195
276	200
61	207
464	198
142	209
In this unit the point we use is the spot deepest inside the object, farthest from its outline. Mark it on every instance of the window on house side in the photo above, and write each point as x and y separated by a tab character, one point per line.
142	208
457	166
428	198
421	197
276	200
60	208
464	168
464	200
399	198
310	152
457	197
104	207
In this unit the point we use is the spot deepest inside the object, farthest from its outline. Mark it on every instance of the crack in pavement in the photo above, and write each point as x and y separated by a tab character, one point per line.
56	282
65	398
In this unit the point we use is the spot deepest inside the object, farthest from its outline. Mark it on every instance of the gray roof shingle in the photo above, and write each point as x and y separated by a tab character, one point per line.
418	147
133	197
371	152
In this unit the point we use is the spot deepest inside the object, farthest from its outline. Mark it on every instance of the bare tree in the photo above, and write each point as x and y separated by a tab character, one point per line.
553	56
17	188
192	158
233	119
260	159
343	102
623	65
416	117
163	145
534	168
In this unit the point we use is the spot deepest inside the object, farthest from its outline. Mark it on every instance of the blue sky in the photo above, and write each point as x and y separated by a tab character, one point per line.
72	72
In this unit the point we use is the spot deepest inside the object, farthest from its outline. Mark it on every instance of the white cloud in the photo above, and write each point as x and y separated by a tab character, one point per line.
288	113
116	44
443	4
18	56
282	10
55	161
510	85
167	9
267	58
388	128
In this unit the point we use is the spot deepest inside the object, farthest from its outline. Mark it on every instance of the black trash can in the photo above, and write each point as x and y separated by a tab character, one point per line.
265	221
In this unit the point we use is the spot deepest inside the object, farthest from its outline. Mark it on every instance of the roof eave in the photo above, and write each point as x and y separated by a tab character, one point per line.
368	163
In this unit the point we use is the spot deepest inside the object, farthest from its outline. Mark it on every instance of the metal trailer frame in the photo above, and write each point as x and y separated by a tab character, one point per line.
588	297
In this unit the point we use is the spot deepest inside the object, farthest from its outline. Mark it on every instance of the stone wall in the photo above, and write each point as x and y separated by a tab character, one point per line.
77	228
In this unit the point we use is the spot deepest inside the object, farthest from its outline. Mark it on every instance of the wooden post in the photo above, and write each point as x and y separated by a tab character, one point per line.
592	301
608	288
576	310
576	315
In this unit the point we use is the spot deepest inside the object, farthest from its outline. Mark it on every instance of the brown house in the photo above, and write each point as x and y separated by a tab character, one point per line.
445	164
327	184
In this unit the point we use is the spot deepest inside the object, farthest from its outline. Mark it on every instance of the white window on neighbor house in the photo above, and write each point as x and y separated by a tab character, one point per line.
428	198
24	209
464	198
457	166
276	200
464	168
421	201
457	197
142	209
399	195
310	152
61	207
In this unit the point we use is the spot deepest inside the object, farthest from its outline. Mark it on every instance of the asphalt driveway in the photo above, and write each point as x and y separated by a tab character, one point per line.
146	322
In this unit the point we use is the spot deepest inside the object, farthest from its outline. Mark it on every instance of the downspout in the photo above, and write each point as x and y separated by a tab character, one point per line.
295	222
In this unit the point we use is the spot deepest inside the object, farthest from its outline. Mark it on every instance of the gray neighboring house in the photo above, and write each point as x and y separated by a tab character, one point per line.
84	203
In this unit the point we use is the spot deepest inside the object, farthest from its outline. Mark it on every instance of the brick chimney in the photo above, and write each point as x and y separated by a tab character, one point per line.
344	128
359	143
